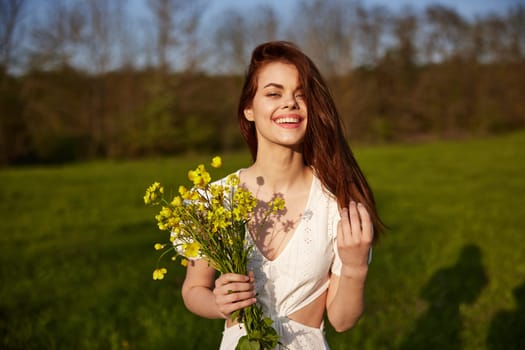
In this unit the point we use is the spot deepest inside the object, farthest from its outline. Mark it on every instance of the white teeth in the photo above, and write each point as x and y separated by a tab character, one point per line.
287	120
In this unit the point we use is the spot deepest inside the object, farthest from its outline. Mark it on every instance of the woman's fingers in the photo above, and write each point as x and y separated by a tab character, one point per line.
229	308
355	234
344	233
367	229
356	224
233	292
355	221
350	225
228	278
235	285
238	297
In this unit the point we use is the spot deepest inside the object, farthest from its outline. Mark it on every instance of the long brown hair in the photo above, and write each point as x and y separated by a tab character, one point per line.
325	147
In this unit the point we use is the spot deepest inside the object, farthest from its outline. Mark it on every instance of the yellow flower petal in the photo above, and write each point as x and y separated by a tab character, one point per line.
216	162
191	250
177	201
158	274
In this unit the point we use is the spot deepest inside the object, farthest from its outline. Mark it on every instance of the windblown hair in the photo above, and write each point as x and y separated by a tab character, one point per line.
325	147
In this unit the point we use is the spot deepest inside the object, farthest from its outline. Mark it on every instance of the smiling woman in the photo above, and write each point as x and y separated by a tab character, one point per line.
312	258
278	109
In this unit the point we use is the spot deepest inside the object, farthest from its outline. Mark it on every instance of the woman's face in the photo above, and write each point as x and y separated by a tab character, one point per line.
278	108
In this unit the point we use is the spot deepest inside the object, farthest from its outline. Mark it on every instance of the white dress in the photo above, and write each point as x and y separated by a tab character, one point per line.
298	275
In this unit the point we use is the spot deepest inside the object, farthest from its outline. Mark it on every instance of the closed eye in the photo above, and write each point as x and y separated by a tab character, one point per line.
299	92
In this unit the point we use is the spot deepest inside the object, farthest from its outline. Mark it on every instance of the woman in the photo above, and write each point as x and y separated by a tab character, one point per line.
312	258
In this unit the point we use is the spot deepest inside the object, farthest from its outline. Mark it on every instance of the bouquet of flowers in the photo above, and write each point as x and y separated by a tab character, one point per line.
208	221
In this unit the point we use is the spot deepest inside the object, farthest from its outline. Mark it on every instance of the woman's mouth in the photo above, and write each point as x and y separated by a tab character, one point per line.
288	120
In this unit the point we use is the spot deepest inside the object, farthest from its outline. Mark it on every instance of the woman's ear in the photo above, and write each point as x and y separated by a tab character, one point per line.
248	114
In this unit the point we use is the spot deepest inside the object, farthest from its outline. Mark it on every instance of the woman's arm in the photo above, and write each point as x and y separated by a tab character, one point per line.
345	301
210	298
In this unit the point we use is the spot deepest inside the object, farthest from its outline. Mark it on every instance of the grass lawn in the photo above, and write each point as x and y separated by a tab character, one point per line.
76	253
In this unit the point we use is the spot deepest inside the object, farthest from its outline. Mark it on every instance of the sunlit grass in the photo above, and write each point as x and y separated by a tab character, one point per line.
76	251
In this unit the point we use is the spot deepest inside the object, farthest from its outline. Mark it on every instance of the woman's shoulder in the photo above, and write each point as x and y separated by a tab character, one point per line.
321	189
228	177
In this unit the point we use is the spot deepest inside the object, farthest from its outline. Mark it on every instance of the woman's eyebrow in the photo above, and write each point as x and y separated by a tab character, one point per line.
279	86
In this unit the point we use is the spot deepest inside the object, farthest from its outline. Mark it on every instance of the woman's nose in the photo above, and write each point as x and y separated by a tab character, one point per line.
291	103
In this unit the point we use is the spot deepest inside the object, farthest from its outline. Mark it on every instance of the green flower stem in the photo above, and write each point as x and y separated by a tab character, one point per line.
166	251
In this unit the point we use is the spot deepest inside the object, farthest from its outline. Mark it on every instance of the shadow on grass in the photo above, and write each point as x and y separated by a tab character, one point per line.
506	328
440	326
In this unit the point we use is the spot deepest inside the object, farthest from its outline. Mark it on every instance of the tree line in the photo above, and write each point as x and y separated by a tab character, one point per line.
91	79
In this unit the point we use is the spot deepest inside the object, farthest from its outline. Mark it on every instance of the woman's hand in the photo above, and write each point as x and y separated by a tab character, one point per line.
345	299
354	236
233	292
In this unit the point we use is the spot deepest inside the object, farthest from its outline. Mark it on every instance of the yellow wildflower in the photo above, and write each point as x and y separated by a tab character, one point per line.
216	162
159	246
165	212
158	274
173	221
237	214
216	190
153	192
200	177
194	176
191	250
184	262
177	201
233	180
206	178
194	196
182	191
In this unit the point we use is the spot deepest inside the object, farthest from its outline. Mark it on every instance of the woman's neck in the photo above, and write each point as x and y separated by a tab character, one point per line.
279	173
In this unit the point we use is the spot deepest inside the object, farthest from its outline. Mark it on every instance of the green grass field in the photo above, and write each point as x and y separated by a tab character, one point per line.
76	253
